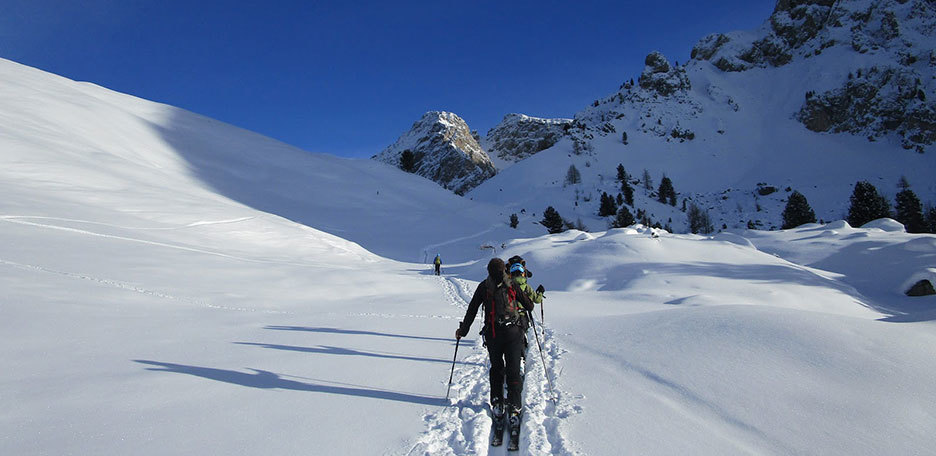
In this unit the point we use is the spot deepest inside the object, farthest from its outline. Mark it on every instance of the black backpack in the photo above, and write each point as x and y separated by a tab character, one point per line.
505	308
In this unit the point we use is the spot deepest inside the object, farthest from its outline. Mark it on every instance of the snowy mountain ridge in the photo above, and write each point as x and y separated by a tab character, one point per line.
821	96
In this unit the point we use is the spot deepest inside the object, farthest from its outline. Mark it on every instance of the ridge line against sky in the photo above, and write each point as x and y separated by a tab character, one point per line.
347	78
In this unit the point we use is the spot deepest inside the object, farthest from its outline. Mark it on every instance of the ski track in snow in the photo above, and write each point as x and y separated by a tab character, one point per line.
464	427
131	287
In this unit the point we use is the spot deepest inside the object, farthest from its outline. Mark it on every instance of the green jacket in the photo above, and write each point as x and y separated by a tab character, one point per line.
534	295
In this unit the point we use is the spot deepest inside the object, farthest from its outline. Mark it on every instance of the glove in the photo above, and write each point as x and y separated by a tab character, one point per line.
458	334
540	289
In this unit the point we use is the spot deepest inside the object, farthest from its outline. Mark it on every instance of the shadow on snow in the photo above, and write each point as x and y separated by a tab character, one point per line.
270	380
358	332
329	350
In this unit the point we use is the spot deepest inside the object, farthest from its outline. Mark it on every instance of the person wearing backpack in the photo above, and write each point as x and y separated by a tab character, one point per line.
438	263
519	274
503	335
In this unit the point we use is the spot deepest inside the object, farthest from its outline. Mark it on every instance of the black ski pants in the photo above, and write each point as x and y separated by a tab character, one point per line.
505	347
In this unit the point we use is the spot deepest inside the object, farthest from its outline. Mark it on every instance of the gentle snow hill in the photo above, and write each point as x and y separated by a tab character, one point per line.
80	144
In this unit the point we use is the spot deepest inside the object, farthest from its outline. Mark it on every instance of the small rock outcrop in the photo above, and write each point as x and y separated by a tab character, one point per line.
922	288
661	77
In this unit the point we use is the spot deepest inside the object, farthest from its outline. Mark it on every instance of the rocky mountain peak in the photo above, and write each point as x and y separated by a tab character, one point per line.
444	150
519	136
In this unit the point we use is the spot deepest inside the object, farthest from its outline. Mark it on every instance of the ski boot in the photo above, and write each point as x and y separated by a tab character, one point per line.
497	415
514	421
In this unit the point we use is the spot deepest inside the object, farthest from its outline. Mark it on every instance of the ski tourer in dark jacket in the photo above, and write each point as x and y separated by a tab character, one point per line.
504	340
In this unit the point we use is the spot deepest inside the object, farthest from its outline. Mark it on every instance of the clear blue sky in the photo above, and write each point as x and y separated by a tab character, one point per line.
347	78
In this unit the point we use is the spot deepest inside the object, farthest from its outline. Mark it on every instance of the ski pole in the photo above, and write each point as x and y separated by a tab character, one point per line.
453	369
543	358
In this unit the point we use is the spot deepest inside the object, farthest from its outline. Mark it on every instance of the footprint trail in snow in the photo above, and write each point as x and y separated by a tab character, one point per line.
464	427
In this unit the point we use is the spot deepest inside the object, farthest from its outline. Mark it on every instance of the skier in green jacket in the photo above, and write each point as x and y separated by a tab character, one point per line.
520	274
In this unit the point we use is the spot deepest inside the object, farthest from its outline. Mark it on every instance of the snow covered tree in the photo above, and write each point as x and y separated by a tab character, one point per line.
797	212
866	205
909	211
624	218
608	206
699	221
647	180
552	221
666	192
514	221
408	161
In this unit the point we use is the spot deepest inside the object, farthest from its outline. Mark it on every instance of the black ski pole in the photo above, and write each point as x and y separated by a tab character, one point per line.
543	358
453	369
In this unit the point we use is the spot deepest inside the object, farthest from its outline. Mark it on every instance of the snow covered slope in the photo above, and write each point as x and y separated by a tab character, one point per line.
80	145
174	285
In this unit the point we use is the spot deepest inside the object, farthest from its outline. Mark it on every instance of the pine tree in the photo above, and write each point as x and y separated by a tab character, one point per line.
552	221
622	174
573	176
408	161
624	218
699	221
909	211
608	207
647	180
931	220
866	205
514	221
628	192
666	192
797	212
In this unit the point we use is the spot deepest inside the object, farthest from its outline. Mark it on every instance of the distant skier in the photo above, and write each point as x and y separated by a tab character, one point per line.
438	264
503	335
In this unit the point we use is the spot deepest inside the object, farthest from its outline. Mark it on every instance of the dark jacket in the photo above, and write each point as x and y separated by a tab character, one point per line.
481	296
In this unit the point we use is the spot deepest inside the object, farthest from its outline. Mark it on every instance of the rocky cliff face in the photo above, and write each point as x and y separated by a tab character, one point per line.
444	150
890	90
520	136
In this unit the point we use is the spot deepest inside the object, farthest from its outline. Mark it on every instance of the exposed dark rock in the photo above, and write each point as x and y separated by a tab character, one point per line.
875	103
519	136
922	288
660	77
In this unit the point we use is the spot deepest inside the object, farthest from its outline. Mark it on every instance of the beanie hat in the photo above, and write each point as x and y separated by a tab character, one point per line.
496	269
